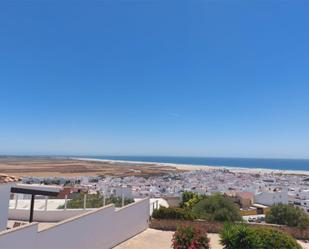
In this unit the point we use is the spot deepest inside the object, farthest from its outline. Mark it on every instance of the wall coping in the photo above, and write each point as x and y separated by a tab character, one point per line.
90	213
131	204
77	217
4	232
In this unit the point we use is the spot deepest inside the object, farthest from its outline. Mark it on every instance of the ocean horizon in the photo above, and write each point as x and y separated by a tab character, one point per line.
232	162
259	163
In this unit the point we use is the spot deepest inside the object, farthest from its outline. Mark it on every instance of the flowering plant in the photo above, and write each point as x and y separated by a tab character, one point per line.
190	238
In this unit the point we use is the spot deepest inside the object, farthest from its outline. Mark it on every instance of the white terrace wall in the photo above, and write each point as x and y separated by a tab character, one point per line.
100	229
5	190
19	238
130	222
89	231
45	215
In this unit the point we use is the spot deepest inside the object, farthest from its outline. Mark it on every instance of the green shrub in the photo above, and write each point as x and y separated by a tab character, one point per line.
190	237
243	237
171	213
287	215
239	237
216	208
189	199
273	239
186	196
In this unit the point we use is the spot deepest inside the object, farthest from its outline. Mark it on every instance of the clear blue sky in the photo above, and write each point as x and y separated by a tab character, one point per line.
142	77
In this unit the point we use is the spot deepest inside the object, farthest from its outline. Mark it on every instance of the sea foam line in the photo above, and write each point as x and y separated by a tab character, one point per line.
193	167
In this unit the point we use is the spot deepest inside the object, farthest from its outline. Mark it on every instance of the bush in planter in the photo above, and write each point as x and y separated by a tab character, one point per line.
243	237
171	213
190	238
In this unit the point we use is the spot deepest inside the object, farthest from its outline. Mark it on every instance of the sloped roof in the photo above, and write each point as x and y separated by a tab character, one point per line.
7	179
245	195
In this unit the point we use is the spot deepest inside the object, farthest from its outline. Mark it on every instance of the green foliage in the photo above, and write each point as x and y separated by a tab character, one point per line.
171	213
189	199
186	196
287	215
216	208
95	201
273	239
239	237
243	237
190	237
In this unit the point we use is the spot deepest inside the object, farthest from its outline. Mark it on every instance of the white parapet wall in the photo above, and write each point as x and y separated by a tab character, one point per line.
46	215
52	214
19	238
102	228
5	190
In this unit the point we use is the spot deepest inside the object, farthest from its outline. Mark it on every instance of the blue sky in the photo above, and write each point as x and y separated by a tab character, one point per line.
190	78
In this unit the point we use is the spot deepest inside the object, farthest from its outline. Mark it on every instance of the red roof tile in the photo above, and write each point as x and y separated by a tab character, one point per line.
7	179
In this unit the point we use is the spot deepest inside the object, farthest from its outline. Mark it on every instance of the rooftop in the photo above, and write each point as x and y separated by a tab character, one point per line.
7	179
245	195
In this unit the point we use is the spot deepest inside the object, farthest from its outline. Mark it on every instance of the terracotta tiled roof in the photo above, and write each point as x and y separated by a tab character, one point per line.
7	179
245	195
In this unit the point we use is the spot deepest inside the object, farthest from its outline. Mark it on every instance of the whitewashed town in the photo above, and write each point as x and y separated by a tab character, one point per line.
126	208
259	189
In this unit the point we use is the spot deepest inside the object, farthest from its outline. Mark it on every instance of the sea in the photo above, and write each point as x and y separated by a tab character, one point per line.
255	163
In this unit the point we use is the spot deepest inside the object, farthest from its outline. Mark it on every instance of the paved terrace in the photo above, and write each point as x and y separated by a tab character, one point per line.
154	239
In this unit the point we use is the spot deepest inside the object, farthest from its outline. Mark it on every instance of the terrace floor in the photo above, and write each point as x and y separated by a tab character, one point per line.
154	239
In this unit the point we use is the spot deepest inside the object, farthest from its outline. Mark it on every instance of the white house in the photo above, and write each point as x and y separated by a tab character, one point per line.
125	192
271	197
300	198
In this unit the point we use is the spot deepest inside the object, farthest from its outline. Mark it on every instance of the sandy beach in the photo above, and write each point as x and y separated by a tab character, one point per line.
73	167
242	170
70	167
190	167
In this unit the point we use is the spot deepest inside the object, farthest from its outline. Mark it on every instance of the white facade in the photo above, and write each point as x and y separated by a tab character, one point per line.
46	215
304	194
124	192
19	238
304	205
300	198
271	198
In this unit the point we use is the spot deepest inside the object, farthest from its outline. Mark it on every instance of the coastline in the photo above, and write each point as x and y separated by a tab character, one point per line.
191	167
66	167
